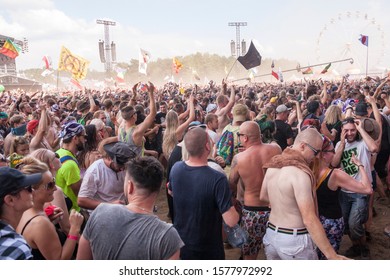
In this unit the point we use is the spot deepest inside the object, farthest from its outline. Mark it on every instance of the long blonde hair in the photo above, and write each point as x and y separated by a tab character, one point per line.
170	139
333	114
30	165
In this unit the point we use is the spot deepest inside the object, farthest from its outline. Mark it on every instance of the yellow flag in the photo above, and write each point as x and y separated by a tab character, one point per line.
74	64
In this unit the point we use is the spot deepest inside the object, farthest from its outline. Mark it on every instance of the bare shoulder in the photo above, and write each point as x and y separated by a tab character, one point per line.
274	148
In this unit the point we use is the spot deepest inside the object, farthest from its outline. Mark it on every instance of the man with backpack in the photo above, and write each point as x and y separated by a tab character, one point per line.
68	176
228	144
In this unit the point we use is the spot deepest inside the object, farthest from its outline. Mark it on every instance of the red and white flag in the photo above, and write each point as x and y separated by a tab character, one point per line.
47	62
76	83
275	75
364	39
144	57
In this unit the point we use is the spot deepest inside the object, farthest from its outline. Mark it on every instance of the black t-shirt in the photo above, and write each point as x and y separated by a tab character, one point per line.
283	132
200	196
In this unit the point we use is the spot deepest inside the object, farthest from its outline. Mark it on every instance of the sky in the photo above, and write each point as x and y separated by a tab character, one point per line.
304	30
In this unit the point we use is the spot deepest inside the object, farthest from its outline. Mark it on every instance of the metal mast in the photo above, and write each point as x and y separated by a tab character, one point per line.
238	43
107	45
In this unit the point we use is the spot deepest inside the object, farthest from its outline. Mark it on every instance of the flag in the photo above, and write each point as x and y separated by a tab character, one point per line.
195	74
10	49
326	68
46	72
76	83
280	75
144	57
308	71
275	75
75	64
251	59
47	62
364	39
120	76
177	65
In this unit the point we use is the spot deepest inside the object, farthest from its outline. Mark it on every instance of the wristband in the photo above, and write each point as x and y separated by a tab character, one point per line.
73	237
361	165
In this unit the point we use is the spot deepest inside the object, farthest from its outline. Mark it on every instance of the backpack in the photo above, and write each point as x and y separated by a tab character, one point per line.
225	146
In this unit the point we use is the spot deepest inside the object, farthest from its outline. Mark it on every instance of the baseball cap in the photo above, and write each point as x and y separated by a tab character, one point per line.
211	107
273	99
282	108
240	112
119	152
361	109
12	180
31	125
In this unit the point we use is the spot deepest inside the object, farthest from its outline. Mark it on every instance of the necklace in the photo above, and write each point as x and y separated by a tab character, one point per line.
140	208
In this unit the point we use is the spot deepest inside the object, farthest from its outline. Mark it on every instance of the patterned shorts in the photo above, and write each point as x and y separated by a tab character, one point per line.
334	229
255	223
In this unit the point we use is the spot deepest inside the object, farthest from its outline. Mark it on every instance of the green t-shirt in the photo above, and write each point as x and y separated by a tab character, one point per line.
67	175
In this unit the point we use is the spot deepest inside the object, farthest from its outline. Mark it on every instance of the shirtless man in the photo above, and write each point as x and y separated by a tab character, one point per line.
288	187
224	107
247	167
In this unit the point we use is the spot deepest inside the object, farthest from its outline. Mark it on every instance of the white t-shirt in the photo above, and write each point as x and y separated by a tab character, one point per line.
102	183
360	150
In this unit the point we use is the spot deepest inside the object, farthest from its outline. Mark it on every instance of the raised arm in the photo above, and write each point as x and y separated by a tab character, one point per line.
139	132
42	128
379	88
230	105
372	145
181	129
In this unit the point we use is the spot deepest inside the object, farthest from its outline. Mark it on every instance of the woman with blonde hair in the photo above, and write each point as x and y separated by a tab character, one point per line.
174	132
45	240
331	126
52	160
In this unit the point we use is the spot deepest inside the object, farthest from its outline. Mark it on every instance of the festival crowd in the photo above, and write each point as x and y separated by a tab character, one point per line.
287	168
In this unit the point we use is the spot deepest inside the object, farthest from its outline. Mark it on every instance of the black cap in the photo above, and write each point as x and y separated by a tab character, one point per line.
119	152
361	109
12	180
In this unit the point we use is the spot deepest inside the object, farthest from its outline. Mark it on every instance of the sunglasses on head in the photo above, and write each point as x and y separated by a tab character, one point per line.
348	120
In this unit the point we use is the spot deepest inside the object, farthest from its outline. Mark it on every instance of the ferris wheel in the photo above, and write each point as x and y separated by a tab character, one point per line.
339	39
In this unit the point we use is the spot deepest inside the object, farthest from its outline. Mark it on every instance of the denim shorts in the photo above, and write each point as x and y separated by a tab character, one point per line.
281	246
354	207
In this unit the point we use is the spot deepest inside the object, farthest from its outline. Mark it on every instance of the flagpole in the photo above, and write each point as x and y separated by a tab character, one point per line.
231	68
289	70
58	73
367	62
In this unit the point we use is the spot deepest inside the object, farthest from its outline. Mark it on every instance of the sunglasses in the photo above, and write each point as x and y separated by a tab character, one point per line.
329	151
349	120
28	188
51	185
313	149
